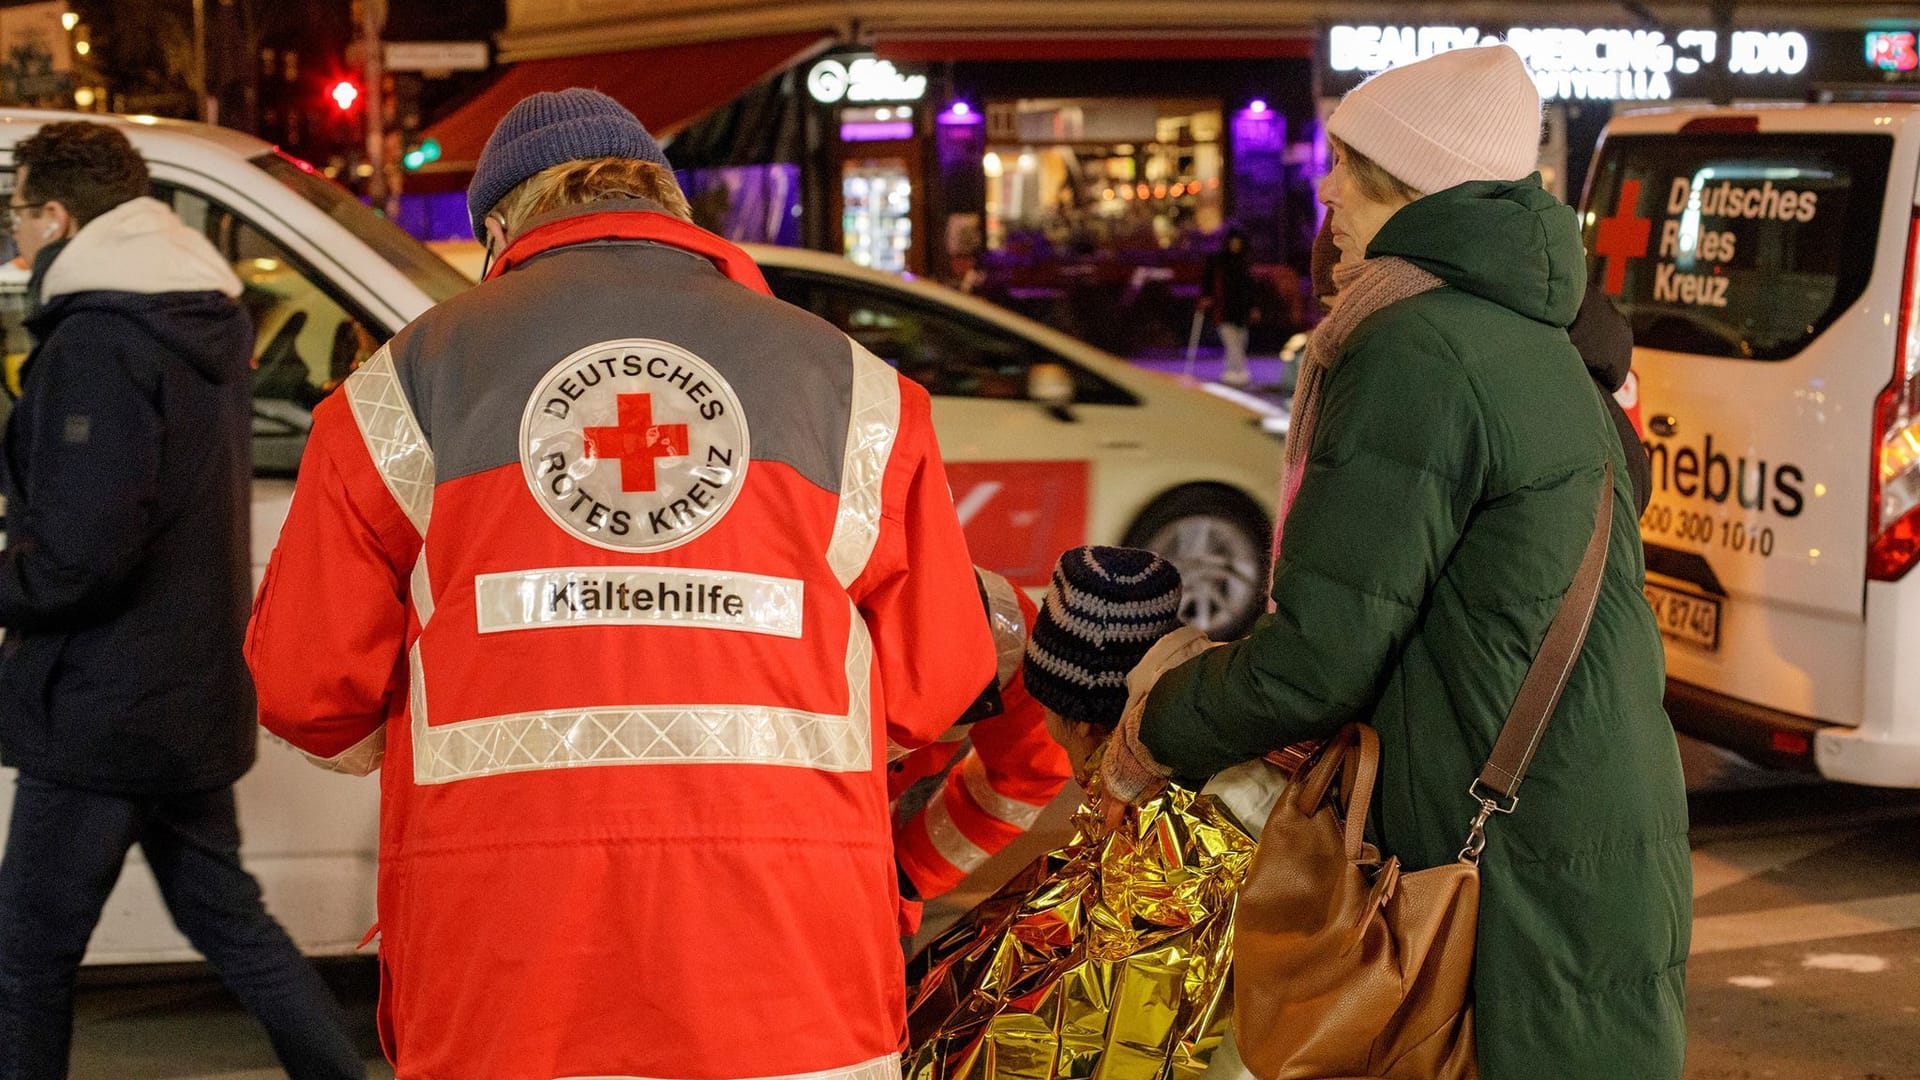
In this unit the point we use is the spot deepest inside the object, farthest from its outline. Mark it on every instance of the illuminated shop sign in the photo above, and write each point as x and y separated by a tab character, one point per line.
1593	65
862	79
1896	51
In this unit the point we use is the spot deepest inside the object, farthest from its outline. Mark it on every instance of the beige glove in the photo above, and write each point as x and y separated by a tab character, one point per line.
1129	773
1168	653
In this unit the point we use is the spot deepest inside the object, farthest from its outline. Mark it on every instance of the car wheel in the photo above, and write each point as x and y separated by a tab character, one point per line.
1220	542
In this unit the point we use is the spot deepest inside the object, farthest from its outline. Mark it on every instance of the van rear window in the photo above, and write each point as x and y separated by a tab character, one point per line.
1736	245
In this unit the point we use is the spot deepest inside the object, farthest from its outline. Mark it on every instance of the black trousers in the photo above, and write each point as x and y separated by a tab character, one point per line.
64	853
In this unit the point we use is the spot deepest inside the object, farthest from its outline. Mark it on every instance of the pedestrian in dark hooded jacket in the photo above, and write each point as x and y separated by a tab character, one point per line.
124	585
1446	458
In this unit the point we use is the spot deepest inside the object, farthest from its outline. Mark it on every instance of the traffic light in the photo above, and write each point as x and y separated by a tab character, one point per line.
345	94
426	152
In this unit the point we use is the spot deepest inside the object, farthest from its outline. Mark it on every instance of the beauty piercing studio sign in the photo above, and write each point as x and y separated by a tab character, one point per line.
1585	65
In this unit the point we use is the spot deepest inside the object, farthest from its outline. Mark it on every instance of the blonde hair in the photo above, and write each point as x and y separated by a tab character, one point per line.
1374	182
577	183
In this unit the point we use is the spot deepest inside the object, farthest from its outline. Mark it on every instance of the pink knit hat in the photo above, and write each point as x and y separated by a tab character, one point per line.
1468	114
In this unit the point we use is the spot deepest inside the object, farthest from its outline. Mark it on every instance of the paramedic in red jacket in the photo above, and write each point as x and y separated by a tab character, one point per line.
1008	768
630	574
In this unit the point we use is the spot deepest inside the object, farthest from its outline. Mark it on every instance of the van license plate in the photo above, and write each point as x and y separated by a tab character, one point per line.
1685	616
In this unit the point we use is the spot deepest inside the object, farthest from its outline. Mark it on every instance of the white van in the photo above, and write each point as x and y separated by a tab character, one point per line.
1766	257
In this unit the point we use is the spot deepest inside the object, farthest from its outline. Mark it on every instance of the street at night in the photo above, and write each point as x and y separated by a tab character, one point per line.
1805	966
717	540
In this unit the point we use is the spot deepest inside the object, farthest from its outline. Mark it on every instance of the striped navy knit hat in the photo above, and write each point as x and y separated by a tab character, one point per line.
1105	609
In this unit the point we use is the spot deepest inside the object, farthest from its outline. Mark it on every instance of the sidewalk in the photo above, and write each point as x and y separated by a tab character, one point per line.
179	1023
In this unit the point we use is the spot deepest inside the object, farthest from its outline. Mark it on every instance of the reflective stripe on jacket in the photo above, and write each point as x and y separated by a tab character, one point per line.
1008	768
608	559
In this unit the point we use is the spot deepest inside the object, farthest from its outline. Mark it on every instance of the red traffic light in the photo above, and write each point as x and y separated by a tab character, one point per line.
344	93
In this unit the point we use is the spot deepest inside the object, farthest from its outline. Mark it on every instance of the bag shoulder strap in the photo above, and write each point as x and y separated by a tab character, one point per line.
1540	692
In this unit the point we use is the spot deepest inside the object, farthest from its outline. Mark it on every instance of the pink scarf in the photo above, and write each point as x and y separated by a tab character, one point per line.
1364	288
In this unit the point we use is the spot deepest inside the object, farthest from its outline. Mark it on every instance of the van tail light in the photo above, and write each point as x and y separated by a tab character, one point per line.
1721	125
1894	514
1791	743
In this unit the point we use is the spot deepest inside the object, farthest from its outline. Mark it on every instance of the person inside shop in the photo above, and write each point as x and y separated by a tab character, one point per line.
1228	288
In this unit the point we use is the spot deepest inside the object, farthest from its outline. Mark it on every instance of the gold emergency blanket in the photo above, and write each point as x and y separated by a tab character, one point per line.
1109	959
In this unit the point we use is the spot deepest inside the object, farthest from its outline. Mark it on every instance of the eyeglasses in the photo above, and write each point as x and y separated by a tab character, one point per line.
17	210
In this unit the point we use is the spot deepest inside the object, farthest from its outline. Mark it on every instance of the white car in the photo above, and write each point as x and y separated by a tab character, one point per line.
1034	426
1049	444
1769	259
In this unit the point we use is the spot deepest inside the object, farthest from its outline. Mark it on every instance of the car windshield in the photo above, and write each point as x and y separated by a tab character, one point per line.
412	258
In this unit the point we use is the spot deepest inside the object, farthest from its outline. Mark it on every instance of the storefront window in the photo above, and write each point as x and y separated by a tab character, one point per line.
877	211
1086	175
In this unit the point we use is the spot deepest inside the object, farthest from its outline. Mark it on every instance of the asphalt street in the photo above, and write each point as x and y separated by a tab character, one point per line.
1806	957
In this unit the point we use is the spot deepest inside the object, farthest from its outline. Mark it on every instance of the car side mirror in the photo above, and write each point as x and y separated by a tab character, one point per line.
1050	385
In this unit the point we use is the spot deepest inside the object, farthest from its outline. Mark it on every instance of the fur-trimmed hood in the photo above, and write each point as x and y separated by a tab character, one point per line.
140	246
137	261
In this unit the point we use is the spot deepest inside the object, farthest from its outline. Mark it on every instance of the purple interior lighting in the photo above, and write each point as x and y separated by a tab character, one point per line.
1259	129
960	113
876	130
1319	164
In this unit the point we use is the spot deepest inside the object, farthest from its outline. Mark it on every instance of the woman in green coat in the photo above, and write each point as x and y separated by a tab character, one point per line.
1445	459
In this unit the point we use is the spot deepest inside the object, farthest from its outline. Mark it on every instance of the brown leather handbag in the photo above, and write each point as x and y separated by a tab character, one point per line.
1344	966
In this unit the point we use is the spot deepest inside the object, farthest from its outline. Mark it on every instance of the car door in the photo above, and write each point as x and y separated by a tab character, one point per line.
310	837
1023	473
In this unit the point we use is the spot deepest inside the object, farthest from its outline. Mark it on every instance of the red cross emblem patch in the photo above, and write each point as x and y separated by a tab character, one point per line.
636	442
634	445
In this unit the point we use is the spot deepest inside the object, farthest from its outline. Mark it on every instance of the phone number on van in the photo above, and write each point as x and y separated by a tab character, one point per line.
1706	529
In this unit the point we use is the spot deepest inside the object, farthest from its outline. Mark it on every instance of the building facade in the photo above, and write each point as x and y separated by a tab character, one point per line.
1075	159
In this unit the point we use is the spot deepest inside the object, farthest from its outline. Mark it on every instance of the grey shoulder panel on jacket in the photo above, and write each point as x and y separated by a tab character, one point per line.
471	366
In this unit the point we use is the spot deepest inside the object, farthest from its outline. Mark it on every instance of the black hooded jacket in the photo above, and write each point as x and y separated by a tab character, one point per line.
1604	338
125	581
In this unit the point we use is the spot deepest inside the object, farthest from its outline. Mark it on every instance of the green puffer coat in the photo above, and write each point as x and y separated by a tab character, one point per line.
1445	504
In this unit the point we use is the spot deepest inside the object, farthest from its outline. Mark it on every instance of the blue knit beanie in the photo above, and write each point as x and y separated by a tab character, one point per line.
551	128
1105	609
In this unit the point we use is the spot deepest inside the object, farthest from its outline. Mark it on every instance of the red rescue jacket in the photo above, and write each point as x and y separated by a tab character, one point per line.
629	573
1008	768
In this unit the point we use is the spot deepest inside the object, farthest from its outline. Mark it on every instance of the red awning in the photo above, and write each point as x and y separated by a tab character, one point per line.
907	49
668	87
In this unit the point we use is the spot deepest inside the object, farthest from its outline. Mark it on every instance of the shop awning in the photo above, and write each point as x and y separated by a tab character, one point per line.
668	87
915	49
